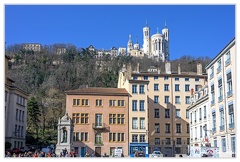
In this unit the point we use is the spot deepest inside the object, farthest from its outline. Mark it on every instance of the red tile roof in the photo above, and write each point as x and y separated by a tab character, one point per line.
99	91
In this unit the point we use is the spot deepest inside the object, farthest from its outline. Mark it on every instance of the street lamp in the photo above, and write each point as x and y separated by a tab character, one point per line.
206	139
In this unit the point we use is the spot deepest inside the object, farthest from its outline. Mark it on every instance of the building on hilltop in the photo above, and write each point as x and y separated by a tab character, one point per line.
36	47
155	46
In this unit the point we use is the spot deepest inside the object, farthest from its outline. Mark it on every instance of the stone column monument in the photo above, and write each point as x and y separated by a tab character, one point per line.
65	135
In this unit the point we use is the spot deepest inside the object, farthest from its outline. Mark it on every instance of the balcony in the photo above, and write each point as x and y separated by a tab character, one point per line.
227	62
229	93
101	126
220	98
221	127
231	125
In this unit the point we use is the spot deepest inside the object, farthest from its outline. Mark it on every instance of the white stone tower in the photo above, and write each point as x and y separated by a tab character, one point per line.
165	32
130	44
146	40
65	135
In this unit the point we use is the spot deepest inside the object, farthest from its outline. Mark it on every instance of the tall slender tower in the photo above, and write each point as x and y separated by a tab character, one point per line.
146	40
130	44
165	33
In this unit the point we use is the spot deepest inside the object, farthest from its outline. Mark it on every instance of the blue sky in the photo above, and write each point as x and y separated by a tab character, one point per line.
196	30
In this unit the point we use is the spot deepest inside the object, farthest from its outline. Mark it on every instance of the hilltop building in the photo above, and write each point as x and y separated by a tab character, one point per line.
155	46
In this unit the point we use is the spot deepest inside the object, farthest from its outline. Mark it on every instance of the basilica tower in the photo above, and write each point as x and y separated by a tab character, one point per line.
146	40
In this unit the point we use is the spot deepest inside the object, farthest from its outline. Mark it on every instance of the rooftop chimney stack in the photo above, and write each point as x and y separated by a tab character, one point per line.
168	67
179	69
199	68
158	71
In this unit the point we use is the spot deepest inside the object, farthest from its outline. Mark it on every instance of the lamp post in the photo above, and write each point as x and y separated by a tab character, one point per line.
206	137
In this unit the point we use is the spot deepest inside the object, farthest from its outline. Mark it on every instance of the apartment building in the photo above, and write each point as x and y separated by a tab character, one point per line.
166	96
100	117
222	96
199	118
15	112
138	113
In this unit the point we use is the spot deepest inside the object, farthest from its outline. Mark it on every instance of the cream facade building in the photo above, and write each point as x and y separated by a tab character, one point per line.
200	119
165	97
36	47
15	112
222	96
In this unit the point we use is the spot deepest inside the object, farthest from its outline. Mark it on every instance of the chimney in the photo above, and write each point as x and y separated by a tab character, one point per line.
138	68
179	69
168	67
158	71
199	68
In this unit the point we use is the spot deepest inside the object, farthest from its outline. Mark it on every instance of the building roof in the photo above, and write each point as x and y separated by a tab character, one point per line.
99	91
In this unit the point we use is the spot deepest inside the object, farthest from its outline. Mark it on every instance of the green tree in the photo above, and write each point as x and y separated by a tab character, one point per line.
33	115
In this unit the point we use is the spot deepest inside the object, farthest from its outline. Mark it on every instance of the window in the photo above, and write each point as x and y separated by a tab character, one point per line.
157	128
176	79
99	102
166	87
220	90
177	100
156	87
200	129
84	102
186	79
178	113
6	95
187	99
134	123
187	114
229	84
23	116
141	106
16	114
84	118
200	113
168	141
212	72
215	143
204	112
141	89
134	105
84	136
112	103
157	141
155	77
227	59
196	88
98	138
231	114
212	94
178	128
20	114
223	144
179	141
187	87
188	141
142	123
221	118
76	102
233	144
121	103
187	128
80	118
213	121
166	99
116	137
167	113
134	89
145	77
219	66
76	136
177	87
134	138
156	99
196	79
191	118
165	77
142	138
167	127
156	113
116	119
135	77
